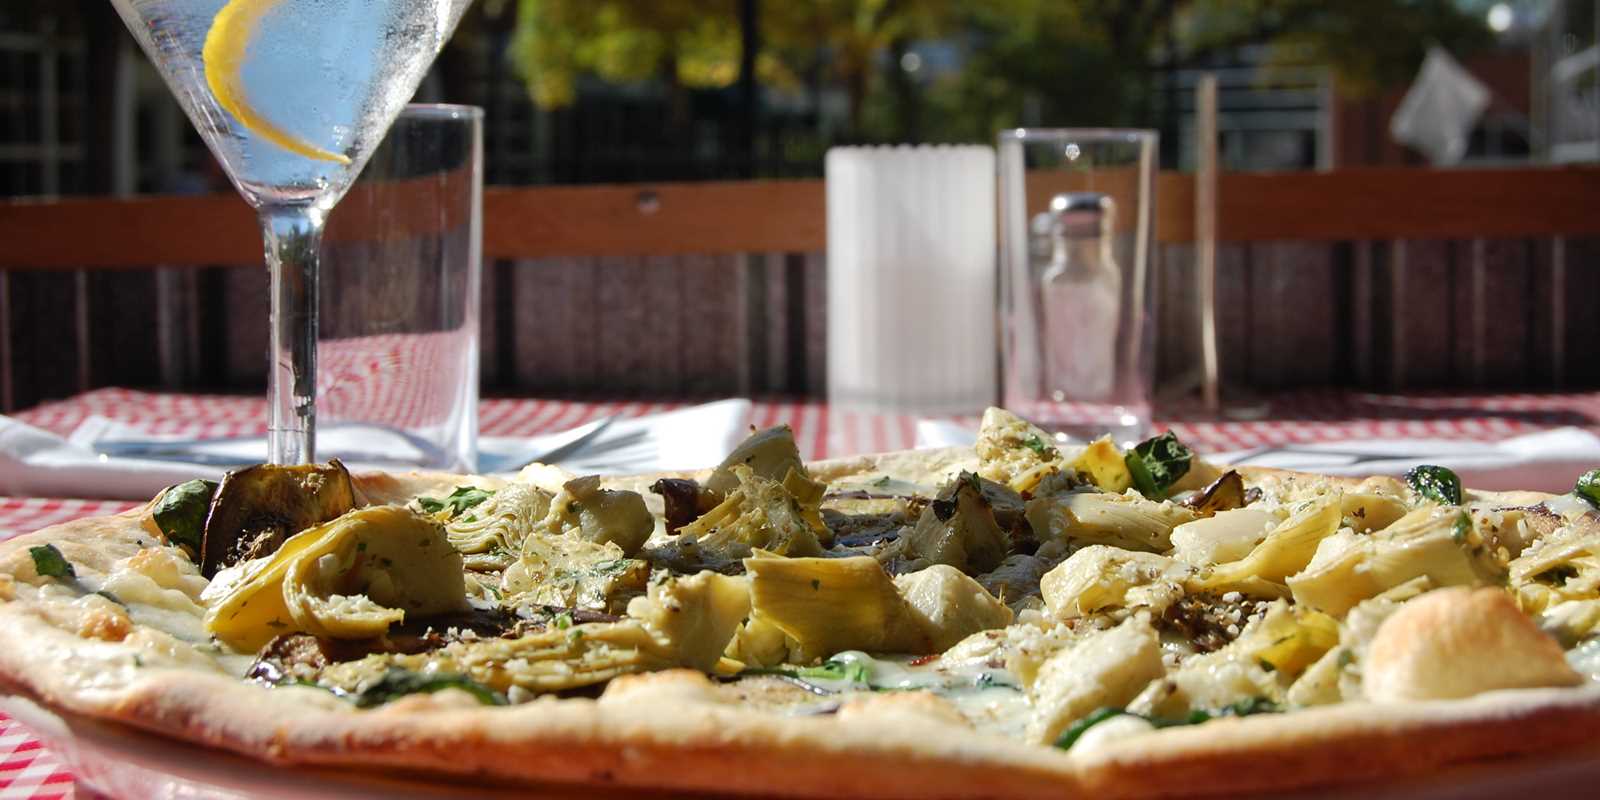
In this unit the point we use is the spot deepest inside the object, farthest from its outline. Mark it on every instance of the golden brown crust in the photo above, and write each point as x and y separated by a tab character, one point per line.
668	731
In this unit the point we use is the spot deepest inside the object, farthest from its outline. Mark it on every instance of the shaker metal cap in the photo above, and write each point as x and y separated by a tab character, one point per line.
1080	213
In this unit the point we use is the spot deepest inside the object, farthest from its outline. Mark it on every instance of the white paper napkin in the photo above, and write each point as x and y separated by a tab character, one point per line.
38	463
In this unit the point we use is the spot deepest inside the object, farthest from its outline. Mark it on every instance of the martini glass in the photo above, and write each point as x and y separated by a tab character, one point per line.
292	96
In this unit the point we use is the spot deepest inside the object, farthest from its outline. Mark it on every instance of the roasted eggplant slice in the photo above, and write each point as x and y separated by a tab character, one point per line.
1224	494
685	501
257	508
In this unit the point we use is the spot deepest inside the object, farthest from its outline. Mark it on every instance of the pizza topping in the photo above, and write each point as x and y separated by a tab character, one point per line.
49	563
1128	521
1588	488
1226	493
1208	622
958	529
827	605
1223	537
571	572
256	509
1435	483
491	535
1286	550
350	578
1099	578
759	514
1013	452
1156	464
602	516
1108	668
1105	466
770	454
1350	567
684	500
397	683
179	513
456	503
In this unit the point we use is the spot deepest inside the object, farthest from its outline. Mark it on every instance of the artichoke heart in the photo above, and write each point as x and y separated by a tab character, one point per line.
568	572
950	605
1013	452
682	622
346	579
1121	520
1098	577
1558	578
829	605
490	536
1222	537
1432	542
760	513
600	515
959	529
1286	550
769	453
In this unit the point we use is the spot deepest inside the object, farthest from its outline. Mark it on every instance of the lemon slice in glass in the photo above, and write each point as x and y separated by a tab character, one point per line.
223	56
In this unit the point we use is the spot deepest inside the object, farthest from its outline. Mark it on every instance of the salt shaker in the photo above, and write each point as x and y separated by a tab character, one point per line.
1078	291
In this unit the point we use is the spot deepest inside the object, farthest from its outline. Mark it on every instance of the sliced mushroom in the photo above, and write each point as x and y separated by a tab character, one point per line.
257	508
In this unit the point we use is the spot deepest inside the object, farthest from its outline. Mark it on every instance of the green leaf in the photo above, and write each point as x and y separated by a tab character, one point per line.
1588	487
1076	730
463	498
49	562
181	512
1158	463
1436	483
1037	445
852	671
397	683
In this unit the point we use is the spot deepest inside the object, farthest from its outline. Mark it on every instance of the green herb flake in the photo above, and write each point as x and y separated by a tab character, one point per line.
1158	463
816	585
463	498
1268	665
575	635
181	513
1435	483
397	683
1461	528
833	670
1588	487
49	562
563	621
1346	658
881	482
1037	445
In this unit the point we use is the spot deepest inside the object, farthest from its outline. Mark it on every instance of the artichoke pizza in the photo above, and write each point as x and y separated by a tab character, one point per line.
1019	618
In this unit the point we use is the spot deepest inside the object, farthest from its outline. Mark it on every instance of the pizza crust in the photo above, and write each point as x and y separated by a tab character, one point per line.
667	731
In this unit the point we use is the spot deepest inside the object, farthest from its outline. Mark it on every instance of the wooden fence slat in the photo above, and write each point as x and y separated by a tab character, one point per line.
789	216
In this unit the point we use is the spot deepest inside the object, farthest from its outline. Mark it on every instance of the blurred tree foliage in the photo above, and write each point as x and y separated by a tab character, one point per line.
1065	62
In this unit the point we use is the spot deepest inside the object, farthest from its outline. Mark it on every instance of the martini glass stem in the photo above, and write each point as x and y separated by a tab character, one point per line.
293	235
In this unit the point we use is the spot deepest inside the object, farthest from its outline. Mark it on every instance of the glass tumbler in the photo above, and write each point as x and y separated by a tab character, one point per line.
397	376
1077	345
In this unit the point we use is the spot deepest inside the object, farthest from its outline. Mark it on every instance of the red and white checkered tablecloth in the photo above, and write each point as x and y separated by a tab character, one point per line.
28	770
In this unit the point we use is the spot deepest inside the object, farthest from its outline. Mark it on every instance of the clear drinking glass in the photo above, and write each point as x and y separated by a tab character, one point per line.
1077	345
397	375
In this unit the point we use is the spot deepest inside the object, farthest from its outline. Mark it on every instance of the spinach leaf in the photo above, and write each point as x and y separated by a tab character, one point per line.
463	498
49	562
1242	708
1076	730
1588	487
181	513
1157	463
1436	483
397	683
